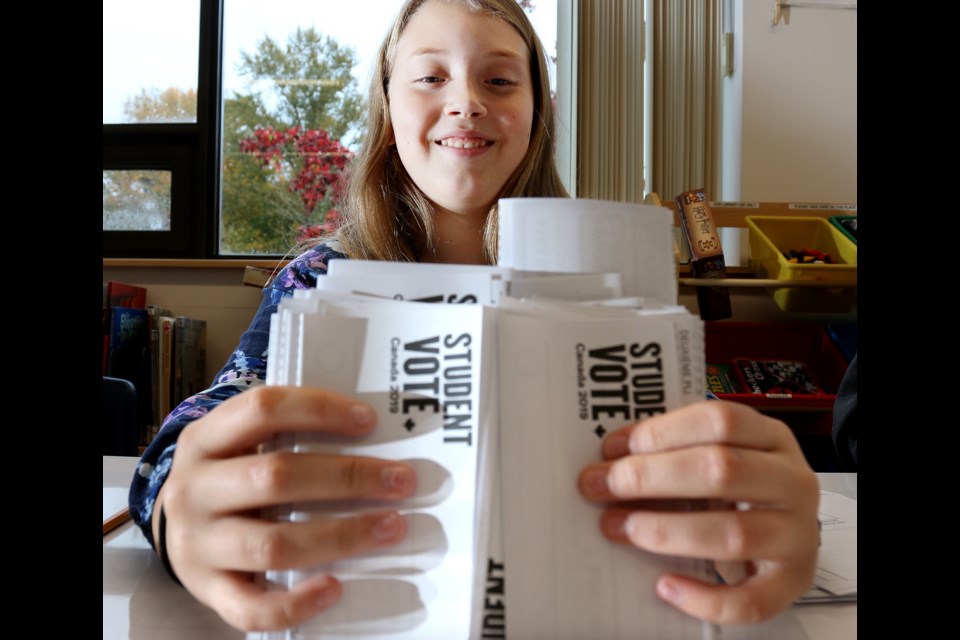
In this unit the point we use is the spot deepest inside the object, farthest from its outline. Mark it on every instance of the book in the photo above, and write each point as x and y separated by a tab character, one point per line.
703	240
118	294
722	379
190	357
258	276
121	294
165	368
105	343
150	428
776	378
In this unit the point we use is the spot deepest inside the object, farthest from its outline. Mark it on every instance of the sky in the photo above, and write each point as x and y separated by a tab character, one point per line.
151	45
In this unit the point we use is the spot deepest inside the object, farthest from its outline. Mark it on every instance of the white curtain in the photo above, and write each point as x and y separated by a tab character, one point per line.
610	100
686	101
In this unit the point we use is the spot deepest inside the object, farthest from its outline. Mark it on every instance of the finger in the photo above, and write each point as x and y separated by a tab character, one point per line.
721	472
254	545
253	417
708	422
247	606
719	535
617	444
758	598
261	480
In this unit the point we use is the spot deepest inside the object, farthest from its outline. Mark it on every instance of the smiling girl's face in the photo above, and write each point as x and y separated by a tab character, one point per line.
461	105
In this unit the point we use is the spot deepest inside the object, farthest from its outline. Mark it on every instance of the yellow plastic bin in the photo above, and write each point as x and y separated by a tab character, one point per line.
771	237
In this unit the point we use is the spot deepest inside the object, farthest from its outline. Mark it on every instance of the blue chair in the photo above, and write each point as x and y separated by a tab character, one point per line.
121	425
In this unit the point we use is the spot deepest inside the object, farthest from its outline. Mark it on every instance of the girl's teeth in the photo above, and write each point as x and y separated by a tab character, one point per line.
460	143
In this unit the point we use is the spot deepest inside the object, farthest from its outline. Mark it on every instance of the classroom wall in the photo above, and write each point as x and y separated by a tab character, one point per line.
798	99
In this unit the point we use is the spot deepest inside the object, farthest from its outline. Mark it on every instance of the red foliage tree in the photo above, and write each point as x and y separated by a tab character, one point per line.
312	164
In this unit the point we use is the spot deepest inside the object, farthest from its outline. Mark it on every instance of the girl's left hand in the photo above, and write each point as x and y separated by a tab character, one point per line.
730	455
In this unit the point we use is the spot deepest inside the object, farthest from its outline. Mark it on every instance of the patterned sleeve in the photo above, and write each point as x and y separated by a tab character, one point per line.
246	368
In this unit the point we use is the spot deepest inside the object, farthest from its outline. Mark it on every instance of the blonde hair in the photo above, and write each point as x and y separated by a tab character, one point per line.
388	216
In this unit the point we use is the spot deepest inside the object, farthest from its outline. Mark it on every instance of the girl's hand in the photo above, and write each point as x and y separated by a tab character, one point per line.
215	539
735	457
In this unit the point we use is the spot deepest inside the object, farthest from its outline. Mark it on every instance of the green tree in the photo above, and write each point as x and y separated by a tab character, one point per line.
308	83
136	199
170	105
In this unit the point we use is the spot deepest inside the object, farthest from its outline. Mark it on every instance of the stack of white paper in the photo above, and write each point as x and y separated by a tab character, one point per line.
422	367
498	405
592	236
569	376
836	576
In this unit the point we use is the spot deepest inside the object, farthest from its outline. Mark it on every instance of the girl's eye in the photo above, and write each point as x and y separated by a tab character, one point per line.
500	82
430	79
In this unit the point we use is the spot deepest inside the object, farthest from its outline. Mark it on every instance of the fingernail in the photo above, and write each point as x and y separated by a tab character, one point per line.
614	524
630	525
616	446
362	415
669	592
387	528
329	594
595	482
396	479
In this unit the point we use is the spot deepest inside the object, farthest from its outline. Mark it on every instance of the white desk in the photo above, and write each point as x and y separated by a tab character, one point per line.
141	603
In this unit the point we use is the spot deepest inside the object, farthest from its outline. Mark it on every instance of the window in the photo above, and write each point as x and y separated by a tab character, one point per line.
150	58
251	151
158	81
136	200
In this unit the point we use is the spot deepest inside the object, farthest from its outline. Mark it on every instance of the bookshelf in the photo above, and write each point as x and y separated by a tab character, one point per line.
786	332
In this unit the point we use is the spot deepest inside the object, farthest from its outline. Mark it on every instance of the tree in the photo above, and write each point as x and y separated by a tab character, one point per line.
136	199
313	83
170	105
282	150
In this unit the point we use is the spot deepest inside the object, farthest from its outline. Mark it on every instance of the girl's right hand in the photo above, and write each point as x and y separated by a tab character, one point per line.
218	482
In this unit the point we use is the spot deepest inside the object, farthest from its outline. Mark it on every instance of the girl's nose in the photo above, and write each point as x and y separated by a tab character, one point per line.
464	101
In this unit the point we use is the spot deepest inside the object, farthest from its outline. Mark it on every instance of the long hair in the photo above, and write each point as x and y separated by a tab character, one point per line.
388	216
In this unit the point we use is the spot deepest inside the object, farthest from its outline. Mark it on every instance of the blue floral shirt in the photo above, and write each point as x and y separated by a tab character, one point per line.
246	368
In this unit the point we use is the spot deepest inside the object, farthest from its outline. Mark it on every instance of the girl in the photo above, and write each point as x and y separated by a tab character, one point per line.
459	116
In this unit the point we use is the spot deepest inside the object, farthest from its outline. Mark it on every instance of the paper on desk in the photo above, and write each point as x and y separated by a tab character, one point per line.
837	563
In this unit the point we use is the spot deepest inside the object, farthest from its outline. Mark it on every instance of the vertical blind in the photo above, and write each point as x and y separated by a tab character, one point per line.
610	100
686	97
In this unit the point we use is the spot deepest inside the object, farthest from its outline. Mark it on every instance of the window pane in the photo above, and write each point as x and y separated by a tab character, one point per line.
150	61
136	200
295	74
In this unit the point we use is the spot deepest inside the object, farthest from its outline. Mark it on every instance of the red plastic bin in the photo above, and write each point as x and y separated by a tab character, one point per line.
807	343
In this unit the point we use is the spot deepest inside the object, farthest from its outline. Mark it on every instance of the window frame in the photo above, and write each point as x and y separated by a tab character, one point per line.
189	151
